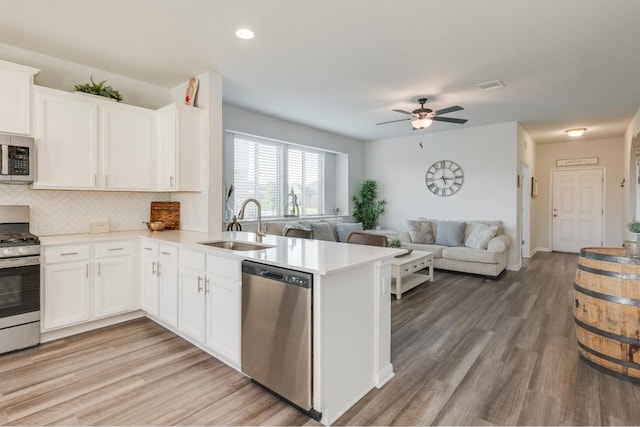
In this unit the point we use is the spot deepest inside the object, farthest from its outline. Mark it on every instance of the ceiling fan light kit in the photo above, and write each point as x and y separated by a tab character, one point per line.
421	123
575	132
422	118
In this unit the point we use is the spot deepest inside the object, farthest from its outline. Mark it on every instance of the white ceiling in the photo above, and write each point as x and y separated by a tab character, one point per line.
343	65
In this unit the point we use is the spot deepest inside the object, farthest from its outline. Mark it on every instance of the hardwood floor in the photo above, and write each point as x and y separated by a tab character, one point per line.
466	351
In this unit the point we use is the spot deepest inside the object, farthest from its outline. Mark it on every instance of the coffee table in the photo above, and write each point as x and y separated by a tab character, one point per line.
403	270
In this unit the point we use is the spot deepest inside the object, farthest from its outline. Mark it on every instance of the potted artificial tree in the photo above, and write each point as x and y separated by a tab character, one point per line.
367	209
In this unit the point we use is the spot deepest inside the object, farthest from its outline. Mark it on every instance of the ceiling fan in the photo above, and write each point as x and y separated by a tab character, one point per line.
422	118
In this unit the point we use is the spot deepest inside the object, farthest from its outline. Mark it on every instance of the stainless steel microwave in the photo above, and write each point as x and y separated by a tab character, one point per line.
16	159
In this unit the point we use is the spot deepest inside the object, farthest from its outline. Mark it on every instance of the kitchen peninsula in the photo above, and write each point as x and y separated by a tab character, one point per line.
351	298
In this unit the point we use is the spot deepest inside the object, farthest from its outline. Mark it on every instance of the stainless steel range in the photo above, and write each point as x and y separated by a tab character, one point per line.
19	280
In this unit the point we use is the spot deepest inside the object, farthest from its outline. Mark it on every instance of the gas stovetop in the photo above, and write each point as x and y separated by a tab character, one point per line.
15	239
18	239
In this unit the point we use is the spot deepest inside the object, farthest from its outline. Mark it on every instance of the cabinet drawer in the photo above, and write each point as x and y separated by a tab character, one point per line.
225	267
168	253
107	249
193	259
150	249
66	253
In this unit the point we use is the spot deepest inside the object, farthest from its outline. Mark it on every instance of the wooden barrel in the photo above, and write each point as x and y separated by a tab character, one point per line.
607	310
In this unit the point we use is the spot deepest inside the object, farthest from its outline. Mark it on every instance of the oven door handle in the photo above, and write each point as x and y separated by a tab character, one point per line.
19	262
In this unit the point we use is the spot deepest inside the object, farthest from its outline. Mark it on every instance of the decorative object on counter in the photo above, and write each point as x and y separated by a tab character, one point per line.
167	212
99	89
155	225
292	205
366	208
234	225
228	202
192	90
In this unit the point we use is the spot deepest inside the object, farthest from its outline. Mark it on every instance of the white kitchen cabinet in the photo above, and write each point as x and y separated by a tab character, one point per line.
66	136
114	278
167	271
150	283
224	307
16	82
179	153
91	144
67	287
126	147
192	294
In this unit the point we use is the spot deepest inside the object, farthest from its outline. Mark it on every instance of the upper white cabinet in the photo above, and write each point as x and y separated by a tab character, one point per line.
179	135
126	147
66	135
15	103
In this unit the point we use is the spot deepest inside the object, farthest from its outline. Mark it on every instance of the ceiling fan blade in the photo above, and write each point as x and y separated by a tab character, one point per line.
450	120
448	110
403	112
392	121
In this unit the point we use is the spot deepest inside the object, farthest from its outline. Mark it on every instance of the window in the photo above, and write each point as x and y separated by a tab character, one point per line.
267	171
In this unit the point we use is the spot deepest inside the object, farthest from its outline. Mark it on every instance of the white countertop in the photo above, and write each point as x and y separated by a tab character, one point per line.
314	256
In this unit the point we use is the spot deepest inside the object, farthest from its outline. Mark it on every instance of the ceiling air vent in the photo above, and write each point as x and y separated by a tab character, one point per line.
495	84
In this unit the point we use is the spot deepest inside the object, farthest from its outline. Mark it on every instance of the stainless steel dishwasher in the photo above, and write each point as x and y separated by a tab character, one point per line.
277	332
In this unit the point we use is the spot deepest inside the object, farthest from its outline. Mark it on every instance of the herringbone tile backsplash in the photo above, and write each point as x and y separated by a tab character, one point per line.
70	212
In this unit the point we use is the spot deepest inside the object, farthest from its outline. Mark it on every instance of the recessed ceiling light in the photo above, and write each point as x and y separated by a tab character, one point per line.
245	33
575	132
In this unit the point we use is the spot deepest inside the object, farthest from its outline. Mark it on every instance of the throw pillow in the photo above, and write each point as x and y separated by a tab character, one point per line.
322	231
421	232
346	228
480	236
450	233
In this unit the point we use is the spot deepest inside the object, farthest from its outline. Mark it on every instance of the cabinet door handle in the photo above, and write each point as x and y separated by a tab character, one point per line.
106	180
86	270
171	181
206	285
199	284
95	180
116	249
69	253
158	269
153	268
147	249
165	253
98	266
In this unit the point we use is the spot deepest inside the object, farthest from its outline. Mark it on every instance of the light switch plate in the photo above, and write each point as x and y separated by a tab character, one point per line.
99	225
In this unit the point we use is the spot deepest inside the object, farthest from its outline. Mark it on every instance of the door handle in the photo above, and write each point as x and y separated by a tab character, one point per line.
199	284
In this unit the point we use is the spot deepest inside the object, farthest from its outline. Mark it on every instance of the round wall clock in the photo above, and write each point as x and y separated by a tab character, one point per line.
444	178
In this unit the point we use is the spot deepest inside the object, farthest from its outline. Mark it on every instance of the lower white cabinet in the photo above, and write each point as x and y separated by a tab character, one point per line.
86	282
66	290
114	278
150	284
209	303
167	273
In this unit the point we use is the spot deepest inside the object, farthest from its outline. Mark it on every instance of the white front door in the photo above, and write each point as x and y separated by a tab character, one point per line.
577	209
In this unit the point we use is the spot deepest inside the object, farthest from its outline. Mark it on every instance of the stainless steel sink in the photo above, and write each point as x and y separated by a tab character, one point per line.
236	246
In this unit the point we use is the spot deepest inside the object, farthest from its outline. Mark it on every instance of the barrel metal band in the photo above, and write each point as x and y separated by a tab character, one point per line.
609	371
610	258
605	297
632	341
609	273
609	358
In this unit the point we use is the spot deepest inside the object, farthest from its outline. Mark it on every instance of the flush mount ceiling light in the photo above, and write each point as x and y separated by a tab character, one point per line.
422	123
245	34
575	132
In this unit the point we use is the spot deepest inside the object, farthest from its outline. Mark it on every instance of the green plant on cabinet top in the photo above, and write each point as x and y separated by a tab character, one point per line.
367	209
99	89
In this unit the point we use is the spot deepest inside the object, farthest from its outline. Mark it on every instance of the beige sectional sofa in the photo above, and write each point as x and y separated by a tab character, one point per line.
489	261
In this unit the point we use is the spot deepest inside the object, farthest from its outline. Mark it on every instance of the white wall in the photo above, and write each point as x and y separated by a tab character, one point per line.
347	168
527	156
488	156
610	154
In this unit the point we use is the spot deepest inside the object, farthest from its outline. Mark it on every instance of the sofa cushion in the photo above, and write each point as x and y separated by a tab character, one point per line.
471	225
421	232
322	231
434	249
480	236
346	228
471	255
450	233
